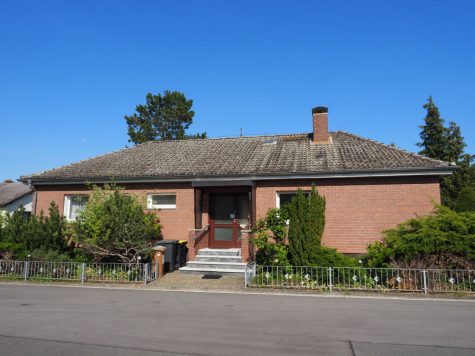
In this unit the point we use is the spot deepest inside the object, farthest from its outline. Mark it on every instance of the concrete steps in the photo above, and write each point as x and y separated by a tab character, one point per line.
216	261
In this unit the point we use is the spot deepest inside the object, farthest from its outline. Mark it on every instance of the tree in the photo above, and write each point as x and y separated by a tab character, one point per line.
115	227
433	134
446	144
163	117
307	220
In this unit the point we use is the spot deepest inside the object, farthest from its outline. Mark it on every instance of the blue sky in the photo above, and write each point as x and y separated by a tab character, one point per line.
71	70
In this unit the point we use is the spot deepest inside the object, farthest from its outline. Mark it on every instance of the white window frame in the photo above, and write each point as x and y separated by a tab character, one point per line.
67	205
152	206
277	196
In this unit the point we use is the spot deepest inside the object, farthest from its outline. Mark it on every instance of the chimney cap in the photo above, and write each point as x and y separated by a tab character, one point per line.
319	110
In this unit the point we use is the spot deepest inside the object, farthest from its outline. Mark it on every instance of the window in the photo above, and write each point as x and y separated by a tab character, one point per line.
73	205
284	198
161	201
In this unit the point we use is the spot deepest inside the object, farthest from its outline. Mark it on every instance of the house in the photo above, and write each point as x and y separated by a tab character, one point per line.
14	195
211	191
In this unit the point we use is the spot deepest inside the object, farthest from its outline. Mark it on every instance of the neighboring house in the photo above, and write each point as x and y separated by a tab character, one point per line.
211	191
14	195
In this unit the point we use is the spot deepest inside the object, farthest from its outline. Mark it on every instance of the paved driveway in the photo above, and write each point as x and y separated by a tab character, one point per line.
41	320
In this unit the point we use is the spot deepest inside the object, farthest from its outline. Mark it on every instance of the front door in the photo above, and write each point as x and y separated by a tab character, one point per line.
229	213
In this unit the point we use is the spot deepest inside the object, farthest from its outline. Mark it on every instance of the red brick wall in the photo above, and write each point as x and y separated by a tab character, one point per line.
175	222
357	210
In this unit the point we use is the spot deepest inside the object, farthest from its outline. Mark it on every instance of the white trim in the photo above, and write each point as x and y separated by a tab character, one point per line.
67	205
152	206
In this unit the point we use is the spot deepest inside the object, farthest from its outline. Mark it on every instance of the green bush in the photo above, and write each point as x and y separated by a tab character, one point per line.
330	257
445	239
269	237
465	200
38	236
115	228
307	221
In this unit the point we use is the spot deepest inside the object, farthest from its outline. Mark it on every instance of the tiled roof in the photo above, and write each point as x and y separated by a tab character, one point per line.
243	156
10	192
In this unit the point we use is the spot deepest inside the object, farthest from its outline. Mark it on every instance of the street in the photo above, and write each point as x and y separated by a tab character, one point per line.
46	320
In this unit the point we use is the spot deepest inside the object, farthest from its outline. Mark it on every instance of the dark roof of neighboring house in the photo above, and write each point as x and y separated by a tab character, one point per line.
9	192
243	156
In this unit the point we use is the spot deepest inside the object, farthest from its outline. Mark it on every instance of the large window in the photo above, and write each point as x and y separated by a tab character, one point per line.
161	201
73	205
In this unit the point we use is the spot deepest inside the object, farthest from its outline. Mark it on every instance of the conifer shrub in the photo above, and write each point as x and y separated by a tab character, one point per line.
445	239
40	237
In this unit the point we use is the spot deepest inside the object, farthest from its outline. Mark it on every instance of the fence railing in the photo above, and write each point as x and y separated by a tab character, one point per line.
360	278
78	271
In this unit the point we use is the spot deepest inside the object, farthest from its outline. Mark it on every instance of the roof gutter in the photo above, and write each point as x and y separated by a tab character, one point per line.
200	180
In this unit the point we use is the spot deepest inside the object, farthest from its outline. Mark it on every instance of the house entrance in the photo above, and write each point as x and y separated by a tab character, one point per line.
228	215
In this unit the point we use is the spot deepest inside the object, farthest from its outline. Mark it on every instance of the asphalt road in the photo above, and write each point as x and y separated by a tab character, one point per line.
44	320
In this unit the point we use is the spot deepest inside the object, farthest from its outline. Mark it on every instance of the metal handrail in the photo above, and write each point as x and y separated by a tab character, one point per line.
200	234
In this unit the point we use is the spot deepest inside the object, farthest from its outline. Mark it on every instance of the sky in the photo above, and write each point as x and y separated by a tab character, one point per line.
71	70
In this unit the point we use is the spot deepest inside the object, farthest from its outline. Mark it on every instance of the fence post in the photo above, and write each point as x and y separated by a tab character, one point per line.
424	279
330	279
25	270
245	276
145	273
83	267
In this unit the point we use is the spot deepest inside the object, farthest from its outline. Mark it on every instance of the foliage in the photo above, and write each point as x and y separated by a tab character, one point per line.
446	144
330	257
445	239
38	236
115	227
306	223
269	237
466	199
433	134
163	117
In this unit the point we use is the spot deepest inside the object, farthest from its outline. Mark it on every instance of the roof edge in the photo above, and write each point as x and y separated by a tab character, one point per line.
438	171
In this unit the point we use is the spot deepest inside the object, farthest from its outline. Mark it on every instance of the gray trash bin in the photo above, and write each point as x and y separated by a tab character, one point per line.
181	251
170	254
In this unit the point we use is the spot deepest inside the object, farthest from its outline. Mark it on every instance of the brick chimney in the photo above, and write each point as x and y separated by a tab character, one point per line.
320	125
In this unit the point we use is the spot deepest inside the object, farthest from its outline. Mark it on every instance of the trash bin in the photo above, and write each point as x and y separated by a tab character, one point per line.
181	251
170	254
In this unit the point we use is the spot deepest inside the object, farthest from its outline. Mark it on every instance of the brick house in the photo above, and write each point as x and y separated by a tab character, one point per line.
211	191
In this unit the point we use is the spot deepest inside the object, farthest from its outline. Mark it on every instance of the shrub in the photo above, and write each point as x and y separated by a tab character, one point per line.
445	239
38	236
115	227
465	200
269	237
307	221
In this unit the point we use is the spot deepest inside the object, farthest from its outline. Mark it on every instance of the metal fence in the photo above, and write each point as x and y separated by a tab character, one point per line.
78	271
362	279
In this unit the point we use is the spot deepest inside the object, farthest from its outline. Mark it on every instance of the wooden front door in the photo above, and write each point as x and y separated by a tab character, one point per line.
228	214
